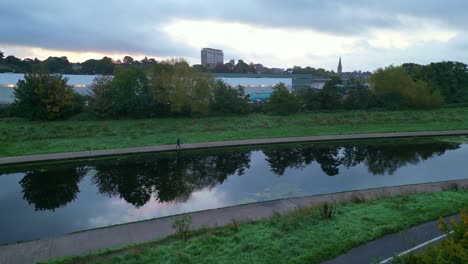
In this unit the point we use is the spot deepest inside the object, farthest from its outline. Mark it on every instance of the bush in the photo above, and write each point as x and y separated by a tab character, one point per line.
182	226
5	111
454	249
44	97
282	102
229	100
395	89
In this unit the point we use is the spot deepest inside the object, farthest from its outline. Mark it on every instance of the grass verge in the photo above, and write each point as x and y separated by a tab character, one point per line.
299	237
20	137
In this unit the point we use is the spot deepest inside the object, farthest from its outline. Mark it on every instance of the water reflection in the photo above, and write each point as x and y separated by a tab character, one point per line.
51	189
379	159
174	177
167	179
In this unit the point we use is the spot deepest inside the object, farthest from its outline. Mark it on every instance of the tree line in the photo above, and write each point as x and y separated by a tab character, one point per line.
173	88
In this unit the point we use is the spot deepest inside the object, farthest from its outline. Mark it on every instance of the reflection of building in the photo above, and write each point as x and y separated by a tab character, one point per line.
211	57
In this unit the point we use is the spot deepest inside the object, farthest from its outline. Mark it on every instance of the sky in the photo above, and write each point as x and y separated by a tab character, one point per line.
367	34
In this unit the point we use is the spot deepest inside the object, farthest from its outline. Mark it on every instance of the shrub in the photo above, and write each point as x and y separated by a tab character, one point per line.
454	249
43	97
229	100
282	102
182	226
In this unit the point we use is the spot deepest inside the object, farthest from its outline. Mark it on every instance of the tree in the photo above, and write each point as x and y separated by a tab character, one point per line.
358	96
101	101
128	60
180	89
1	55
395	89
229	100
130	94
43	96
327	98
450	78
282	102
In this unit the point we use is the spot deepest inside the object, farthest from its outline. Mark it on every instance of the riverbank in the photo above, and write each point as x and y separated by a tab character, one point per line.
156	229
301	236
19	137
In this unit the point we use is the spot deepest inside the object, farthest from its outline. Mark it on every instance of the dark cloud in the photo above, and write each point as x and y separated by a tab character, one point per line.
135	26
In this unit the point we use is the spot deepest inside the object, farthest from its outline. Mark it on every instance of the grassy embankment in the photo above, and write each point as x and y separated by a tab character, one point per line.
299	237
21	137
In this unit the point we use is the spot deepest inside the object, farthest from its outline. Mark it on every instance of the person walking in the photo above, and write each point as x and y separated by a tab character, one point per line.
178	143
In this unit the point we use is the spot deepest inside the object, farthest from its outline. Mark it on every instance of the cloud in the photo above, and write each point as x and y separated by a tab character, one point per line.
140	26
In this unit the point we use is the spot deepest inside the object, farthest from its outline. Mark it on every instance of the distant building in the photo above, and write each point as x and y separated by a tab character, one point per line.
232	62
340	68
211	57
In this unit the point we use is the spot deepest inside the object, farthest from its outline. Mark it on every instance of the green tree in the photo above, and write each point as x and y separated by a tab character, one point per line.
180	88
358	96
130	94
101	101
395	89
229	100
43	97
450	78
282	102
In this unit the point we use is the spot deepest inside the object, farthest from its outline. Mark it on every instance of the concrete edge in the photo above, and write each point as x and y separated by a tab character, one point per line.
219	144
120	235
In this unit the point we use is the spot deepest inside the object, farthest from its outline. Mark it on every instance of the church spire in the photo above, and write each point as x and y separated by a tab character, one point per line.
340	67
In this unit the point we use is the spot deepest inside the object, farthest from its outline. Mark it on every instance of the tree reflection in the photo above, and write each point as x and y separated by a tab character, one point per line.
174	177
167	179
51	189
379	158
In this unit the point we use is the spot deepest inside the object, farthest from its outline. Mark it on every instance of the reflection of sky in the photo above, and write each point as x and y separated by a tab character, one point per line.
91	209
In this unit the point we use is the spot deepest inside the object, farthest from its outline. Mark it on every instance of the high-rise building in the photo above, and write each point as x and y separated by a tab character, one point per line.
211	57
340	68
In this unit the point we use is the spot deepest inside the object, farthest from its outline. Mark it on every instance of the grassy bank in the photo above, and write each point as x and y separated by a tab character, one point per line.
20	137
299	237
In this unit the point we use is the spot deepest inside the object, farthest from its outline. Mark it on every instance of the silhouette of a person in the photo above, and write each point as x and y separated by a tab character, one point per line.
178	143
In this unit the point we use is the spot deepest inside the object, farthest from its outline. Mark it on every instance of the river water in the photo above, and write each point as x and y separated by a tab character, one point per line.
51	199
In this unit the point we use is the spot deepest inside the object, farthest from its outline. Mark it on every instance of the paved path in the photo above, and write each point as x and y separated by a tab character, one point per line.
123	151
120	235
391	245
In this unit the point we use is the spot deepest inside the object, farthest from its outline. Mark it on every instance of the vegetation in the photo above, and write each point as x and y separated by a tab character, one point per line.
20	137
282	102
44	97
395	89
182	226
229	100
299	237
453	250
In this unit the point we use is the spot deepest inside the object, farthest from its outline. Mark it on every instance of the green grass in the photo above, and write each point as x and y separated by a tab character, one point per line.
298	237
20	137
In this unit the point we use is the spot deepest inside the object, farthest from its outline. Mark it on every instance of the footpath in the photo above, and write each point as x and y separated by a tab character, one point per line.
218	144
384	249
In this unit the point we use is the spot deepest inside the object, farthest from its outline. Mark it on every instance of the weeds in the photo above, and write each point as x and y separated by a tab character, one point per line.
327	211
182	226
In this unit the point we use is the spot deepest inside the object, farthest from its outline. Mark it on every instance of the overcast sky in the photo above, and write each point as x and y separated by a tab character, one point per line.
278	33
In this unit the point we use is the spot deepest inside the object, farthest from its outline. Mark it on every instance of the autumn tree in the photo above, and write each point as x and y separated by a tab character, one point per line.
43	97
